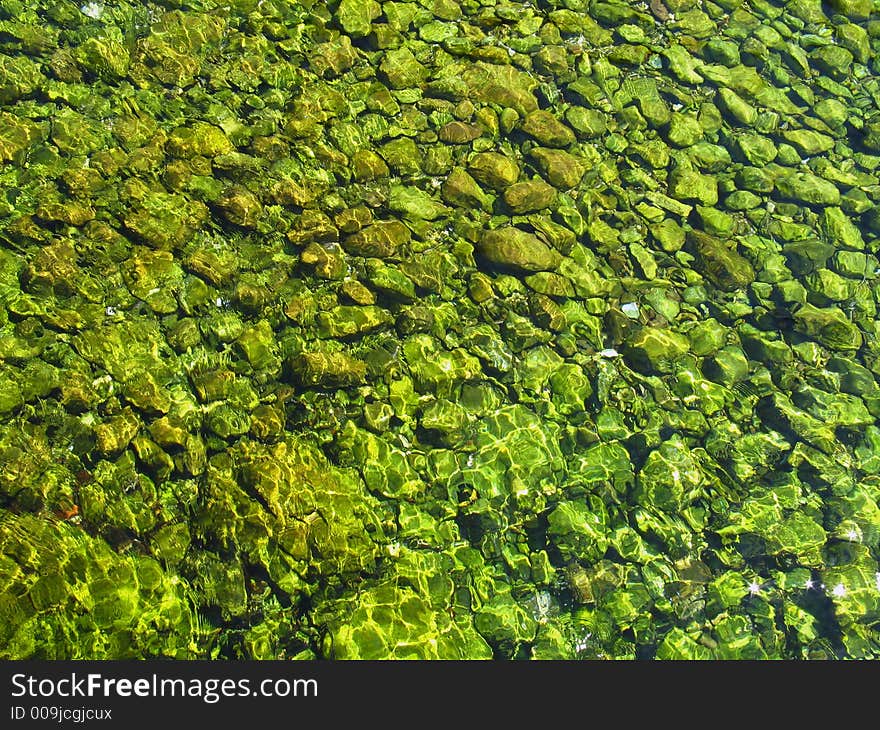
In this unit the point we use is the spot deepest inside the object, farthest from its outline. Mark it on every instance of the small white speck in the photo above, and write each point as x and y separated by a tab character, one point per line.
810	584
631	310
754	588
110	311
839	590
610	352
677	106
877	580
852	535
154	290
92	10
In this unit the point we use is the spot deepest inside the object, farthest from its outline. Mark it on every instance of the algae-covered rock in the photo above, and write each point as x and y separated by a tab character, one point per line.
165	220
669	478
514	248
384	239
547	129
561	169
806	188
651	349
579	533
392	622
493	169
719	261
16	134
829	326
462	190
327	369
529	196
401	69
504	85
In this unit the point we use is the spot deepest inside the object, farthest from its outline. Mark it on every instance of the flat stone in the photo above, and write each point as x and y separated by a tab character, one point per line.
719	261
529	196
547	129
514	248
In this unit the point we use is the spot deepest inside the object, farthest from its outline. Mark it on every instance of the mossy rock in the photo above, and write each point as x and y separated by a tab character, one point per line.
514	248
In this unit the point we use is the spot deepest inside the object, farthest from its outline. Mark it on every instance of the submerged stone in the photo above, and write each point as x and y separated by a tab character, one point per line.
719	261
651	349
384	239
529	196
547	129
493	169
829	326
514	248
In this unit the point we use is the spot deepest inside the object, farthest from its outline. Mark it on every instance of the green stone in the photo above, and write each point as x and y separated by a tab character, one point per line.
514	248
727	366
725	52
399	67
561	169
706	337
390	281
415	203
669	235
803	187
577	532
684	130
330	369
755	149
853	9
587	123
839	230
16	135
460	189
402	156
719	261
367	165
688	184
201	139
715	222
855	39
825	286
493	169
20	77
829	326
355	16
547	129
670	477
808	142
832	60
742	200
651	349
736	108
105	58
502	621
503	85
384	239
529	196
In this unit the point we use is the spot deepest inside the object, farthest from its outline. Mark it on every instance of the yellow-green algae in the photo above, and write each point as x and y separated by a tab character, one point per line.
448	329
